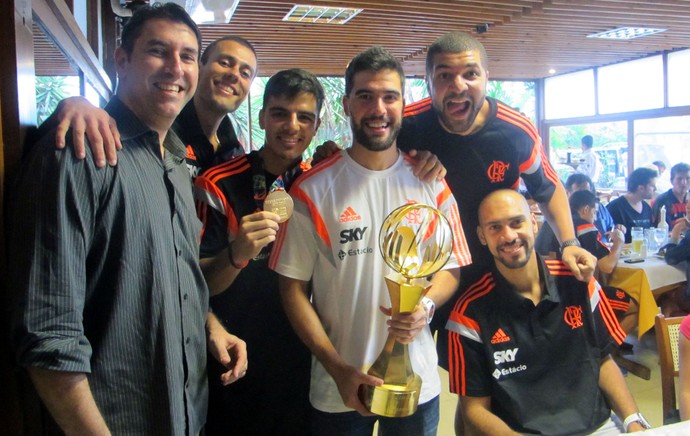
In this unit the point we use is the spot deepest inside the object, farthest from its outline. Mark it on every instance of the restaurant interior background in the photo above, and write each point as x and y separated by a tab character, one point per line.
628	88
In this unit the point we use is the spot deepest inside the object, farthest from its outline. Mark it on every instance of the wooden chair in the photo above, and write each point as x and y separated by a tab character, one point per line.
667	335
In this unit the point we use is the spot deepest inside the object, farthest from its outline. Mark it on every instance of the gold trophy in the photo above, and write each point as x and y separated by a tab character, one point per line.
416	240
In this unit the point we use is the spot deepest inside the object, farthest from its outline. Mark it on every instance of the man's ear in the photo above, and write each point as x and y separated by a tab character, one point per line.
535	225
346	105
480	234
121	60
262	113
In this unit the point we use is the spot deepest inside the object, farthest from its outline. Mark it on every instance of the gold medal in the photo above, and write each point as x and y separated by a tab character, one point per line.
280	203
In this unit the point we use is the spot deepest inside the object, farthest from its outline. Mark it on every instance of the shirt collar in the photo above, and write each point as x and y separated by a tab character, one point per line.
547	282
131	127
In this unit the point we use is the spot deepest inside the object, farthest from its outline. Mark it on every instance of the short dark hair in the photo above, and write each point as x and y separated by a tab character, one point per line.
373	59
580	199
167	11
289	83
640	177
454	42
679	168
587	141
578	179
238	39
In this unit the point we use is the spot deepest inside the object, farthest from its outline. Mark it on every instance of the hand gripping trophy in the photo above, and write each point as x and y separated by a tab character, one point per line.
415	240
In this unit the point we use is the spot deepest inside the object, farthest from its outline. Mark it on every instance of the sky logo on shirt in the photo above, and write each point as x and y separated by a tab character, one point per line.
349	215
505	356
350	235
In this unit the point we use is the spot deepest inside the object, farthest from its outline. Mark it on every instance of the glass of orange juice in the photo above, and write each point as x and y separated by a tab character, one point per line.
637	234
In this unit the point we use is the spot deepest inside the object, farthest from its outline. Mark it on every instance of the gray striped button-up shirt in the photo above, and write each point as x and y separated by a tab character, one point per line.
105	261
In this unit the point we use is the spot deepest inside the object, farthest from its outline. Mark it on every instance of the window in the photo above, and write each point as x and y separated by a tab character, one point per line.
569	95
631	86
610	143
665	139
678	73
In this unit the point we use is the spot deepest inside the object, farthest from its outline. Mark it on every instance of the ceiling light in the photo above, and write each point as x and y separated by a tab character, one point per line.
321	14
202	12
623	33
552	71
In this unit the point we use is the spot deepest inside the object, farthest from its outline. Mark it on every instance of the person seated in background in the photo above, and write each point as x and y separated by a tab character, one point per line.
603	221
684	370
678	248
675	198
584	206
631	209
529	344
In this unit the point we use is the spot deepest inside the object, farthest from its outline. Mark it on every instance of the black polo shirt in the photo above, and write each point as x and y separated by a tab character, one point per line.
200	153
539	364
273	398
507	148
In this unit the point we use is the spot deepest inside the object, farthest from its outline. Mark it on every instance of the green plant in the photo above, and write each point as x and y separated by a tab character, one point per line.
49	91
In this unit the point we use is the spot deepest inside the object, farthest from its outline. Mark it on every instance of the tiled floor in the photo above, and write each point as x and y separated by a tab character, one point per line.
647	393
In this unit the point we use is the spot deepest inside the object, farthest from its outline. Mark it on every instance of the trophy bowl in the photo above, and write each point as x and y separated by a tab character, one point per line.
416	241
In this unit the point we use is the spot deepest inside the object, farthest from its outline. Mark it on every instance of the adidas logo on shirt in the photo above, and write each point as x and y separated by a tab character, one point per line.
349	215
499	336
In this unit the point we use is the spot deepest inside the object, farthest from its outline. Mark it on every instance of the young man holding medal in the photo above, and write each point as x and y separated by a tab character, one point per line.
243	201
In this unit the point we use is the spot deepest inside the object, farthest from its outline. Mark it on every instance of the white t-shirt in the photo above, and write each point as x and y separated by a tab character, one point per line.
591	166
332	239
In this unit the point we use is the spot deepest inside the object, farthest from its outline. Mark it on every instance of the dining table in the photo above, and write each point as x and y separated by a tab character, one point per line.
644	281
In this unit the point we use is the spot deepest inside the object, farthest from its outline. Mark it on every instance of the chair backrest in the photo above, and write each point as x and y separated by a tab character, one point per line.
667	336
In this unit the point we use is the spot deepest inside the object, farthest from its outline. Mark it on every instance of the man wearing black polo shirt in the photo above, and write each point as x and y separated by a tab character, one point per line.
530	344
274	396
484	145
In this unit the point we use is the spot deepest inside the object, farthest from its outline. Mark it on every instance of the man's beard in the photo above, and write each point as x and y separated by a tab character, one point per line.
374	143
517	263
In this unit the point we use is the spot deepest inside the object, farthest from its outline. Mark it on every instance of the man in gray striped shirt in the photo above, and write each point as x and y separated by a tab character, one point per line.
111	316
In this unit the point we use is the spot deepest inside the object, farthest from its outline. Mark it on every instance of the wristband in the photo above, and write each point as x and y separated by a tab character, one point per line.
236	265
635	417
570	243
429	307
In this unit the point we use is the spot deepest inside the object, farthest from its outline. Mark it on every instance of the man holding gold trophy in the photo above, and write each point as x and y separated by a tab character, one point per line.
330	248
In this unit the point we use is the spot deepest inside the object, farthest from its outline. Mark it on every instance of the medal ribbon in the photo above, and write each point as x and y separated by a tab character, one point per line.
282	182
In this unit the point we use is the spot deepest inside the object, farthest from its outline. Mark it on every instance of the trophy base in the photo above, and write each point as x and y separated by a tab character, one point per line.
393	401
